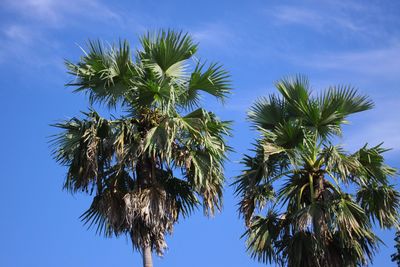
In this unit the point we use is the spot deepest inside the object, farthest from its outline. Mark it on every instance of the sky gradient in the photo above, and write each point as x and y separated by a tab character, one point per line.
259	42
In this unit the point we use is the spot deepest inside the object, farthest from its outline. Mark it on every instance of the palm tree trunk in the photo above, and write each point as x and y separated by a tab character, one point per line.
147	259
331	257
320	224
145	177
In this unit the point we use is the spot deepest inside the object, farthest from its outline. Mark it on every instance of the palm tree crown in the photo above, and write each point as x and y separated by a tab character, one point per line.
164	156
317	201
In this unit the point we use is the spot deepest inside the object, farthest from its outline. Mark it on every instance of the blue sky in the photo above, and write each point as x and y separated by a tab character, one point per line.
333	42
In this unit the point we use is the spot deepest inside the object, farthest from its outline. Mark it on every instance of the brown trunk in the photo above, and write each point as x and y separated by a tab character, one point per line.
145	177
144	171
147	259
320	224
320	187
331	257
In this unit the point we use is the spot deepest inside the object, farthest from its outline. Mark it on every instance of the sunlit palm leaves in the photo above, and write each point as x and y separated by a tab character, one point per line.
104	73
321	201
160	160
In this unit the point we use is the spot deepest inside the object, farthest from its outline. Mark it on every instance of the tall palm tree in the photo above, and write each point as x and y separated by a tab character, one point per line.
164	155
307	201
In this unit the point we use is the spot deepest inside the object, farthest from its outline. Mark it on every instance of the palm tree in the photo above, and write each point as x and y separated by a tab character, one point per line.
305	200
396	256
163	156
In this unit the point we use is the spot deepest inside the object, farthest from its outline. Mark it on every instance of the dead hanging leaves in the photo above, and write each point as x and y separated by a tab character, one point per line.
151	212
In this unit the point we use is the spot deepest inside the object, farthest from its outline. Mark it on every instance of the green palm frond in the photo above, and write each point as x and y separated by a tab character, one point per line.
351	218
104	73
296	91
252	175
343	166
206	176
214	80
396	256
82	147
295	192
257	197
160	139
381	203
374	167
166	48
288	134
182	192
268	113
254	185
262	235
343	101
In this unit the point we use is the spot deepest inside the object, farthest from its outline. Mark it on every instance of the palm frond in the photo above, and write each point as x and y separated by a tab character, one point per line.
374	167
267	113
262	235
83	146
339	163
166	48
104	73
181	191
343	101
296	92
214	80
381	203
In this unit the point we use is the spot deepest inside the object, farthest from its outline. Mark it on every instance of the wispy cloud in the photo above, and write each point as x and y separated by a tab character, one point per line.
381	62
34	19
34	24
19	33
214	34
57	13
314	18
366	20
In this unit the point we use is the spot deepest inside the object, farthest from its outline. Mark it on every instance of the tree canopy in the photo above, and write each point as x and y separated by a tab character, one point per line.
163	156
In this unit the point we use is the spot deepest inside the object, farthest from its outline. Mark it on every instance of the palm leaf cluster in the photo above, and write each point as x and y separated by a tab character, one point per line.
160	159
396	256
307	201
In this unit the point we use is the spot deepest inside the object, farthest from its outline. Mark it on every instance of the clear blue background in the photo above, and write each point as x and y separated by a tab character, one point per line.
333	42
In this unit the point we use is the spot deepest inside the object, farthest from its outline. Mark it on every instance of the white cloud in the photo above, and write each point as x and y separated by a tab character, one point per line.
314	18
57	13
19	33
372	63
293	15
349	17
35	20
43	9
214	34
